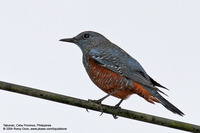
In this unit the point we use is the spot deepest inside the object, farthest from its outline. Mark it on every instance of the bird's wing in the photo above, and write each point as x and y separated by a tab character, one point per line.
126	65
122	66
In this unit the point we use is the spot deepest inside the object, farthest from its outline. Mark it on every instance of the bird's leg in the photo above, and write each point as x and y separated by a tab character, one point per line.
100	100
117	105
118	108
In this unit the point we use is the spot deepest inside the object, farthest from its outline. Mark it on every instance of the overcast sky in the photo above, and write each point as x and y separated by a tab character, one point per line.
162	35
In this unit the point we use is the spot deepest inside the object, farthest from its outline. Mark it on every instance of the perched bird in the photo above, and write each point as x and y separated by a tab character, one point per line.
115	72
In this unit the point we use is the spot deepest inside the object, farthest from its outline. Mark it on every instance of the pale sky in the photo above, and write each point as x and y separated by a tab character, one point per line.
162	35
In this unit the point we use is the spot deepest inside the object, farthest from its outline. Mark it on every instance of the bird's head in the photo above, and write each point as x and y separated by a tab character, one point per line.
87	39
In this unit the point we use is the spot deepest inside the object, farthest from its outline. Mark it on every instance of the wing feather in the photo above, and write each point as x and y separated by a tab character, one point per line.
126	66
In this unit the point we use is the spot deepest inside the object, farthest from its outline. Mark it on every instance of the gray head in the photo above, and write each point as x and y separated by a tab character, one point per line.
87	39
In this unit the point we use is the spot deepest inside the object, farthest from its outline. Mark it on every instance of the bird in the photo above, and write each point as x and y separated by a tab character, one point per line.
117	73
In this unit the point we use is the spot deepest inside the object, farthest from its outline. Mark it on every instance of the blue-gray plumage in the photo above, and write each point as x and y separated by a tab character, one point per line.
115	71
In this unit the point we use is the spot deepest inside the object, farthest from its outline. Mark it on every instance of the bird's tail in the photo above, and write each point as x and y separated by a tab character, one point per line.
166	103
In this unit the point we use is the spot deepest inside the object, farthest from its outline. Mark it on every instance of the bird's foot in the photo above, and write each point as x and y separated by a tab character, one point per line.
117	111
99	103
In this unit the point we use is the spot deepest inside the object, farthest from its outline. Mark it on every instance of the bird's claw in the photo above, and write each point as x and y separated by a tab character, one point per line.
99	103
101	109
118	109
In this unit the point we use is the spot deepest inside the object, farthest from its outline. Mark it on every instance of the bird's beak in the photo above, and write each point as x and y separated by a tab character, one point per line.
72	40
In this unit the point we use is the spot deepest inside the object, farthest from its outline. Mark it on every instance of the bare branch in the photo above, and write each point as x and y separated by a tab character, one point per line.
93	106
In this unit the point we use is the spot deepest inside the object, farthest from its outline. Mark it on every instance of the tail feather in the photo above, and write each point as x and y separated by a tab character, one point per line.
156	83
168	105
164	102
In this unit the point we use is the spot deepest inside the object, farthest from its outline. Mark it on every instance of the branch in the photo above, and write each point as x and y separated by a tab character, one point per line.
93	106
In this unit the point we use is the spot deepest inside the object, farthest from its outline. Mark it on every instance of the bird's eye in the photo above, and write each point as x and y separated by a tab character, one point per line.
85	36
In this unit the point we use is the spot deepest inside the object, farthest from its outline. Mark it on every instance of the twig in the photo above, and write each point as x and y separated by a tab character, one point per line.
93	106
